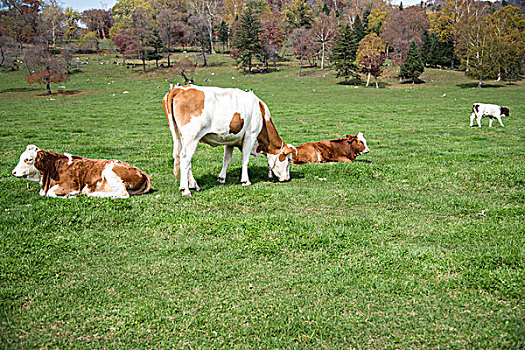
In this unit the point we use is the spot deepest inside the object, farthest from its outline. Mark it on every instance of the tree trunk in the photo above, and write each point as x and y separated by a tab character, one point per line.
368	80
168	52
143	62
204	63
377	85
300	65
480	82
322	57
210	33
48	89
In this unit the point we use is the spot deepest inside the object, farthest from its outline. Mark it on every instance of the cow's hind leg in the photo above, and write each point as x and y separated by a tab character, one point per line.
226	160
177	145
191	181
115	186
187	152
247	147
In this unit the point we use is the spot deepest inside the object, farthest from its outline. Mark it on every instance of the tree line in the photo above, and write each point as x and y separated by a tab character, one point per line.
484	39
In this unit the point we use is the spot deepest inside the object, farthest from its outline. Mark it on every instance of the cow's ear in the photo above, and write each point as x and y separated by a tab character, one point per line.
40	160
289	149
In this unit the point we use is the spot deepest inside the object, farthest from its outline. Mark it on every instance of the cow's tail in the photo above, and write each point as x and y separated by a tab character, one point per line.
167	103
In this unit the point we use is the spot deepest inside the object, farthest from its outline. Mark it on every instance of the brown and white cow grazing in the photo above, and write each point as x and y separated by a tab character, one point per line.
480	110
339	150
229	117
64	175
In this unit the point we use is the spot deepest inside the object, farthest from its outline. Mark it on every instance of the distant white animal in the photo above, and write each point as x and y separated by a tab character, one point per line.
480	110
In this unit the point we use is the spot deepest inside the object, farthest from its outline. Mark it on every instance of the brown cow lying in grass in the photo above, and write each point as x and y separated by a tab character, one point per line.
64	175
339	150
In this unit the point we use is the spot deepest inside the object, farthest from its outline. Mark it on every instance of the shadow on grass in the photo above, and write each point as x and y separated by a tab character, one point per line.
410	82
64	93
26	89
475	85
363	161
233	176
356	82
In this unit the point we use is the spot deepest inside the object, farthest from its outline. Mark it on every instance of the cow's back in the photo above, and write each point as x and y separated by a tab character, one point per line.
217	116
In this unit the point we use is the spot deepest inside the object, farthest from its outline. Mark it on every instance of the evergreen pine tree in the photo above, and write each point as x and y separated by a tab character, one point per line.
512	71
345	54
401	6
325	9
247	40
365	19
358	29
224	33
413	65
425	50
156	46
447	54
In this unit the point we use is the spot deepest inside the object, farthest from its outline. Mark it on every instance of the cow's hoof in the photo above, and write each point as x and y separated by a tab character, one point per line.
246	183
221	180
196	188
185	192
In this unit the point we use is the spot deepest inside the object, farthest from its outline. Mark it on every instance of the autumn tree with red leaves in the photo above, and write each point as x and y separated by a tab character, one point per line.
403	26
272	38
98	21
303	46
46	68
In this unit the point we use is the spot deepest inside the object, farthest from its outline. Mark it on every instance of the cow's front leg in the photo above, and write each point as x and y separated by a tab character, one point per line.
226	160
187	152
472	117
500	122
490	122
247	147
479	120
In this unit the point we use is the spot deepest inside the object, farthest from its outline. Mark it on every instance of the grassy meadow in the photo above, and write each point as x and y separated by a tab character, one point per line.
418	244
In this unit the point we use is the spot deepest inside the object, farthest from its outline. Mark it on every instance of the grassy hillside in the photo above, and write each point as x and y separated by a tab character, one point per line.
417	244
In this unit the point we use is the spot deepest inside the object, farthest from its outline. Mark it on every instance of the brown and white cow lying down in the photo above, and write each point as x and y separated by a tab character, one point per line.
64	175
229	117
338	150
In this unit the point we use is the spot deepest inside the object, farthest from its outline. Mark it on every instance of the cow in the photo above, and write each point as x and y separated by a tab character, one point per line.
66	176
344	149
222	116
480	110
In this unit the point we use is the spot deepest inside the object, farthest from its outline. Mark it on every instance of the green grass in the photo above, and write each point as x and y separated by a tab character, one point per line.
417	244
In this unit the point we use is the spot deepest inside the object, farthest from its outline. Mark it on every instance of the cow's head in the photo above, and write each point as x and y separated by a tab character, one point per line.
505	111
279	163
359	144
26	165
